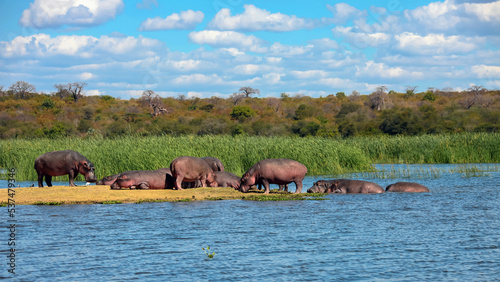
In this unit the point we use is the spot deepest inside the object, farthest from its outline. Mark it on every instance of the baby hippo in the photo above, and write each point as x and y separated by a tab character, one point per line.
144	179
345	186
406	187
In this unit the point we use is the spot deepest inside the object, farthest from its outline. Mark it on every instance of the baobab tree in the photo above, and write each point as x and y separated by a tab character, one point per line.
154	102
378	97
247	91
74	89
22	88
473	95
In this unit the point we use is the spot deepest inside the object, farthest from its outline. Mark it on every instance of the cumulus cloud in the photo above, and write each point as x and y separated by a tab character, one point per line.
433	44
380	70
78	46
76	13
227	39
185	20
343	12
254	19
485	71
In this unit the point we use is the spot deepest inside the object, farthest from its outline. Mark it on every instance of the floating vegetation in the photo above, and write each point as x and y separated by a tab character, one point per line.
209	254
151	201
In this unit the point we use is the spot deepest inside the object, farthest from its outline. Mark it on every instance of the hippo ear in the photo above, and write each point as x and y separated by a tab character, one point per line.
86	165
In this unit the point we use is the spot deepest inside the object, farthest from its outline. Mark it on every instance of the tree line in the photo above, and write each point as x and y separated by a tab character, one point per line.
25	113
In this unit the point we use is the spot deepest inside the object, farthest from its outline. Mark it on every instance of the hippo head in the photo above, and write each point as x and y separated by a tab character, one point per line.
335	188
246	181
318	187
123	181
87	169
212	180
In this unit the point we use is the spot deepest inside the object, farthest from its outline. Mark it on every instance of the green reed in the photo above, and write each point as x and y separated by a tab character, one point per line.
321	156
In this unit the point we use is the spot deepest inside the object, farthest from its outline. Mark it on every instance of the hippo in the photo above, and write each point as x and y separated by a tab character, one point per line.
190	169
110	179
144	179
274	171
345	186
280	187
227	179
214	163
406	187
59	163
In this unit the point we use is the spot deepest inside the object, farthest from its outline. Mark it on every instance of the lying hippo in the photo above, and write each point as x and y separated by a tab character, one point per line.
214	163
227	179
345	186
406	187
190	169
59	163
110	179
274	171
144	179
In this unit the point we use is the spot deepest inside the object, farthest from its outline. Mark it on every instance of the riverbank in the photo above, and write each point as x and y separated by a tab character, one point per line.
101	194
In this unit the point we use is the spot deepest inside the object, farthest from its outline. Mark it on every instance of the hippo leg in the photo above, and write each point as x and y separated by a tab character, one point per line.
266	186
40	180
142	185
203	181
72	176
178	182
299	187
48	179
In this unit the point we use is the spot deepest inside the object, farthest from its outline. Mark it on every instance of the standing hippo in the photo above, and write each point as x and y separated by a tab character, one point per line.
227	179
214	163
144	179
406	187
345	186
274	171
110	179
190	169
59	163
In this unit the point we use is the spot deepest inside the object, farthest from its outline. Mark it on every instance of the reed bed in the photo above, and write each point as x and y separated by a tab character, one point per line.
322	156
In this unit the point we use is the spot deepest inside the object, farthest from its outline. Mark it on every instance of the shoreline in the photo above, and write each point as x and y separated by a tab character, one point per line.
102	194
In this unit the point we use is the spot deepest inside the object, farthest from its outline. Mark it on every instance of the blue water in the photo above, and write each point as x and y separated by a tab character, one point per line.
449	234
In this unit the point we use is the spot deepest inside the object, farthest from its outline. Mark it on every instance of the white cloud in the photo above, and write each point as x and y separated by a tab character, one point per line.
380	70
78	13
484	71
147	4
42	45
433	44
487	12
227	39
184	21
86	76
343	12
309	74
253	19
197	78
94	92
360	39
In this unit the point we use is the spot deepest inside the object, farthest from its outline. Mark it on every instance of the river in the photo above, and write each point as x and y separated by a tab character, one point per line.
451	233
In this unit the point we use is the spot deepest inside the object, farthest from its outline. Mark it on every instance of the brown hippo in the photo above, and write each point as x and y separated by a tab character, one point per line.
345	186
110	179
406	187
274	171
227	179
190	169
214	163
144	179
59	163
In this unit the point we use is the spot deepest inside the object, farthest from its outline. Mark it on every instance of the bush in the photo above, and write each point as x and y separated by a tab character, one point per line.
242	113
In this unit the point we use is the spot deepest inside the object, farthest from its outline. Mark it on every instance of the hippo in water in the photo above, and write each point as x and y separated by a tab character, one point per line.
345	186
214	163
110	179
274	171
227	179
59	163
144	179
190	169
406	187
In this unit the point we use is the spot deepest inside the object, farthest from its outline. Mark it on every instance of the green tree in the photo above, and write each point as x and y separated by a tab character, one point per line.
304	111
242	113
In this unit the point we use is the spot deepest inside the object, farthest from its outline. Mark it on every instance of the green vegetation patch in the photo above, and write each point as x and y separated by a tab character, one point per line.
111	202
40	203
285	197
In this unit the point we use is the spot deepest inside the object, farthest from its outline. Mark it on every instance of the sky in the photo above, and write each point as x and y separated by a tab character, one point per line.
214	47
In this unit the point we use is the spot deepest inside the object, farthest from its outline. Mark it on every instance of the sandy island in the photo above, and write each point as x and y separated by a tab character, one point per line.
102	194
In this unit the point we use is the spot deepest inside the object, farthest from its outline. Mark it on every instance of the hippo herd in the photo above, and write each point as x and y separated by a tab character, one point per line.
188	172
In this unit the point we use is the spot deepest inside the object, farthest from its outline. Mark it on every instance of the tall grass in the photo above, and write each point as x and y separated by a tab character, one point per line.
321	156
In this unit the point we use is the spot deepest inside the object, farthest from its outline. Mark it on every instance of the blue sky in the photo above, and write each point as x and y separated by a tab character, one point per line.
212	48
